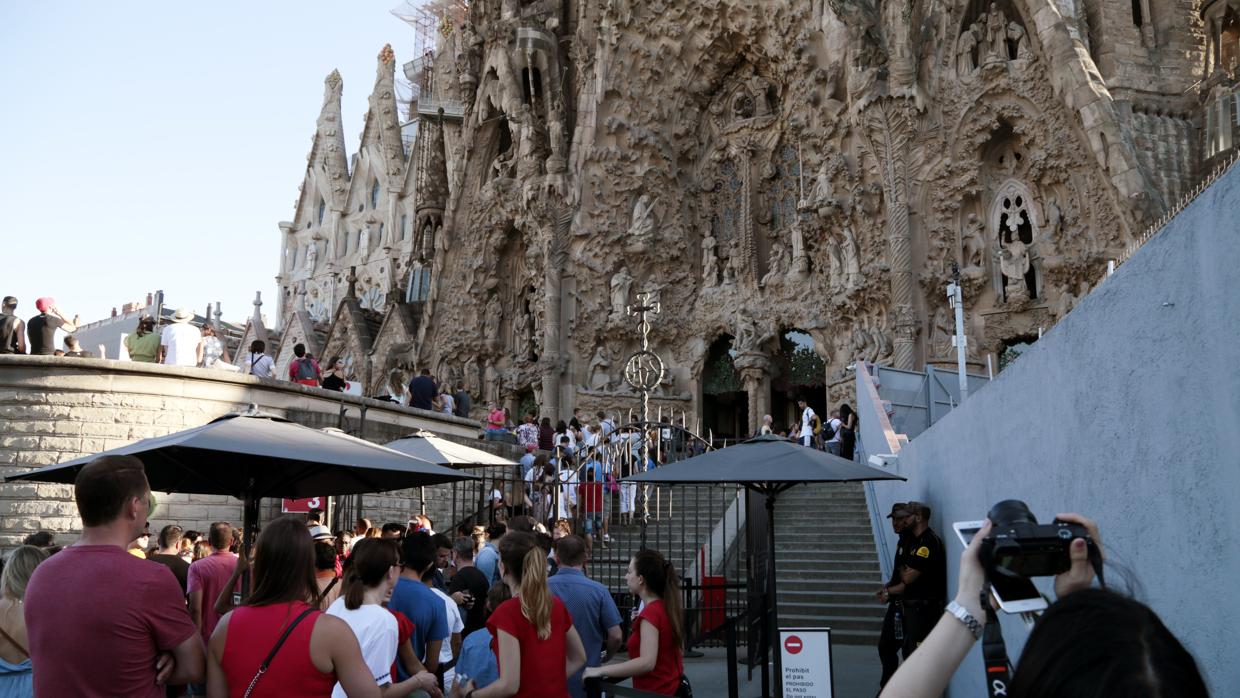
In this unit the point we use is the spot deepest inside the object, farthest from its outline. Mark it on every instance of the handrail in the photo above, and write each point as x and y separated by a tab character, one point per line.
877	437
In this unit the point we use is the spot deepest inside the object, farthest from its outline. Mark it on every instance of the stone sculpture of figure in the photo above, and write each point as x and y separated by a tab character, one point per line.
851	258
996	33
965	47
884	350
599	373
862	345
944	330
1016	33
491	322
521	334
363	240
835	267
823	194
777	262
642	227
1054	216
1014	264
796	237
973	244
312	255
710	261
555	131
730	268
746	332
621	283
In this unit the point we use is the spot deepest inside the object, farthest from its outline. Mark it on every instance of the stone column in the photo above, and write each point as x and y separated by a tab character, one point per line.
887	127
755	373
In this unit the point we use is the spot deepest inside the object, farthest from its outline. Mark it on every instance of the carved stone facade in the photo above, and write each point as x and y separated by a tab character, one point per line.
772	168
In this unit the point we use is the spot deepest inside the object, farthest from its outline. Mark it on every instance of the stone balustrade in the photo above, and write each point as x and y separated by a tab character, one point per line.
54	409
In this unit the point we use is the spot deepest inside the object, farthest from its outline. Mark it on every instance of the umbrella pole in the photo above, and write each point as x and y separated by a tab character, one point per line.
250	529
773	635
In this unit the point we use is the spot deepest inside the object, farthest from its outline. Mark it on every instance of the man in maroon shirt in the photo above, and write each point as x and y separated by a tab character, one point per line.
102	622
208	577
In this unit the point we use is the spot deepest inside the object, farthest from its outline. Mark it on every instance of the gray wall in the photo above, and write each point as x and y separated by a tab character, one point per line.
1128	411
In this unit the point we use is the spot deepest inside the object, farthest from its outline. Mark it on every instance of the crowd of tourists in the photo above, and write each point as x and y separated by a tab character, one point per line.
396	610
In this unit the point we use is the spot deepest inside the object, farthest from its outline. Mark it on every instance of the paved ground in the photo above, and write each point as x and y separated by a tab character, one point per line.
856	673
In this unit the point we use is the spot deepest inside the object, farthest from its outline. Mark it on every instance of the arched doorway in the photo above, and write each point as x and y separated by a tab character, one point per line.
725	404
797	373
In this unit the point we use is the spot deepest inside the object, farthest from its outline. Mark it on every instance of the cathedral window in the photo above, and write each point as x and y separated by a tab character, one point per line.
1137	19
374	194
785	189
322	210
404	227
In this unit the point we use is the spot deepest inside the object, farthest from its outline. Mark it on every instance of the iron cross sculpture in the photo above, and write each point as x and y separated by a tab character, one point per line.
644	371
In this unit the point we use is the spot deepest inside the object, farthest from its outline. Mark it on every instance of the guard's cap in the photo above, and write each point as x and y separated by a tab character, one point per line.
899	509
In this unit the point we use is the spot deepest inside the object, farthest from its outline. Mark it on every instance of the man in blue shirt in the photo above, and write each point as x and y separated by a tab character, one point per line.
421	605
594	612
487	559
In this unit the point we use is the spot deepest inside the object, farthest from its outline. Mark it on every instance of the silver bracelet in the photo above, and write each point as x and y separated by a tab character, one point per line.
961	614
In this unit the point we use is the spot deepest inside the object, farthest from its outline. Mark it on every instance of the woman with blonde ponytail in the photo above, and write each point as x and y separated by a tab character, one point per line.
532	633
656	660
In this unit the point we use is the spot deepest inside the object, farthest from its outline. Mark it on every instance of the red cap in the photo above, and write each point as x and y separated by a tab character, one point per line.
45	304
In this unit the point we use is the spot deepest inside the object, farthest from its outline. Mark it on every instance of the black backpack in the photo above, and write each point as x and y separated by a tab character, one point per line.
8	334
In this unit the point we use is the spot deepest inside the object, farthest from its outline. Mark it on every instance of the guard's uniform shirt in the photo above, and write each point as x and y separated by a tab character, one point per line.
926	554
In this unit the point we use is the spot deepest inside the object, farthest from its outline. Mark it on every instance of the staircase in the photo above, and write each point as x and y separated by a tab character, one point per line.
826	566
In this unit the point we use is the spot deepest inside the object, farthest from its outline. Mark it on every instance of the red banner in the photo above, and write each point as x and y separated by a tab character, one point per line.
302	506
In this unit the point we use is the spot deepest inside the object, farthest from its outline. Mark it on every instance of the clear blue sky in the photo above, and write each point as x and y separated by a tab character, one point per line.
152	145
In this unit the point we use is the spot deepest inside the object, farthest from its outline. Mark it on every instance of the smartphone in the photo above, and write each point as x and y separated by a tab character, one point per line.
1013	594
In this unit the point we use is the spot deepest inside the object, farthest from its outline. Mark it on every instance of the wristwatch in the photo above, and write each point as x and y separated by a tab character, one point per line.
967	618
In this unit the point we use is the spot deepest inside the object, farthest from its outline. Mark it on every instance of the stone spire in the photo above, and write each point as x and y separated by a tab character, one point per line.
256	320
432	186
381	136
329	155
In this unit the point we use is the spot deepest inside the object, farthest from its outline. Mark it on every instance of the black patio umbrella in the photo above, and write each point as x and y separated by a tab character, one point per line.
767	465
253	455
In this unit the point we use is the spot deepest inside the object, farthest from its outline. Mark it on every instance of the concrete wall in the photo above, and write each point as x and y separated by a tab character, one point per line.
55	409
1128	411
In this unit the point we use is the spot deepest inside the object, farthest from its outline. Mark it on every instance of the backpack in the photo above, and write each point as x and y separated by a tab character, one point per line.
305	370
828	432
8	334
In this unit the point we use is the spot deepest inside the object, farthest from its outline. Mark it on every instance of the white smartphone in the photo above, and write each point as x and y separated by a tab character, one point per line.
1013	594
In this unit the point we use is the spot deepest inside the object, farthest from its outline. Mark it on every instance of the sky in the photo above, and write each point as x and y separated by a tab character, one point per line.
156	145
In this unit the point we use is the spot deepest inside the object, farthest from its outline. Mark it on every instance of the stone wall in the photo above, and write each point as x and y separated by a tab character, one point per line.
54	409
1125	412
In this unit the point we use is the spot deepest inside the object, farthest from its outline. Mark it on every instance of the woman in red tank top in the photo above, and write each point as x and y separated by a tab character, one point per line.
532	634
656	662
319	651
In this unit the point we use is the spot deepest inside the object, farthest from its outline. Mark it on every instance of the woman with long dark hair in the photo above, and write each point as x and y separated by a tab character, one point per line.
848	431
315	650
656	660
369	578
533	634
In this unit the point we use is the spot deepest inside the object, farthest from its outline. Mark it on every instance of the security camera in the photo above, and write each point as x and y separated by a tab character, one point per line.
884	460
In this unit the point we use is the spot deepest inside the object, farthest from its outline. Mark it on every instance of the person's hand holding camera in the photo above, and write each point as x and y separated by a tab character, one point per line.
1081	574
973	576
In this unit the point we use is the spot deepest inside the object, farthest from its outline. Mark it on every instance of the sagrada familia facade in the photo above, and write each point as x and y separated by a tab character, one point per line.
791	182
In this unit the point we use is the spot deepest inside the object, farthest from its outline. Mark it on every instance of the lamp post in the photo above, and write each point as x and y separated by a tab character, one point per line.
959	340
644	371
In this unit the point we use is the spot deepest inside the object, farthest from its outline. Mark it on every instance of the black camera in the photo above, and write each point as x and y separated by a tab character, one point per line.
1018	545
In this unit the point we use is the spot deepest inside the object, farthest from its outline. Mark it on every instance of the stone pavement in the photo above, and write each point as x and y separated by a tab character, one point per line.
856	673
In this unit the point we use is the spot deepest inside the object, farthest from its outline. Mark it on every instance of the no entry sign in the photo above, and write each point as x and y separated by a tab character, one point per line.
807	662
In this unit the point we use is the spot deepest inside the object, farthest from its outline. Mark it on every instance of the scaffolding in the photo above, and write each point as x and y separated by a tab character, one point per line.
430	20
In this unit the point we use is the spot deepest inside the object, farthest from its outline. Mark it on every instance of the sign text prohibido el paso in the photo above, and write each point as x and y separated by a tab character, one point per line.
807	662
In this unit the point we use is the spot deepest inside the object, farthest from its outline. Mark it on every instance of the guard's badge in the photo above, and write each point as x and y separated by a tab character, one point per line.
923	551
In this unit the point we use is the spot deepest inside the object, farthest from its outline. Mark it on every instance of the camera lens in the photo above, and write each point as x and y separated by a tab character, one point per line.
1011	512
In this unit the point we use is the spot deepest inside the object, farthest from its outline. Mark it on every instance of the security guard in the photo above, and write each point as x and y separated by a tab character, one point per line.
891	639
925	578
